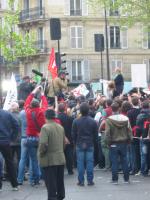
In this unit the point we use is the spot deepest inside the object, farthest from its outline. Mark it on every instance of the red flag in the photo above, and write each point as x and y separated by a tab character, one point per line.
52	64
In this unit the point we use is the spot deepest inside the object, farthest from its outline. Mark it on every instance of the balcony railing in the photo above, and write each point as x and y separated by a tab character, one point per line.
41	46
32	14
75	12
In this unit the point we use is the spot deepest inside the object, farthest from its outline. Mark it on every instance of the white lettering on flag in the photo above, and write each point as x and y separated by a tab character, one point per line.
11	94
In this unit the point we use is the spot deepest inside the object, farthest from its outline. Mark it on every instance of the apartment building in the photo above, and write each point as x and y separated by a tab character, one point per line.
79	23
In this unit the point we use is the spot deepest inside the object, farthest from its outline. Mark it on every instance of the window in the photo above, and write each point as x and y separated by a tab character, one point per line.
40	4
40	38
113	11
146	38
114	64
77	37
75	7
78	70
115	37
147	62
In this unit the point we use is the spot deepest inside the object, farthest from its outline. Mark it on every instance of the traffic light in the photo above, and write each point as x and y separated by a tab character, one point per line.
59	61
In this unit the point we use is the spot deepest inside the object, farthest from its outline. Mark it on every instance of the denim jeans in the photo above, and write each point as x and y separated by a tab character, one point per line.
119	151
31	153
1	165
85	161
144	145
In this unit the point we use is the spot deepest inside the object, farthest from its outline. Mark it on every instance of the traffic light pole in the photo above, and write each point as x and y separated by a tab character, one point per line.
59	67
102	74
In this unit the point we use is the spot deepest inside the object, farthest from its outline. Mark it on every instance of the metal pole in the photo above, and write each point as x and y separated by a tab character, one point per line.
59	67
102	74
107	49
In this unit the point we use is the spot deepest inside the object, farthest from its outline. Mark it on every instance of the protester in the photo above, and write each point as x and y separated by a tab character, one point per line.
66	122
85	134
35	120
24	88
16	144
51	156
8	132
119	82
135	145
142	131
118	136
56	86
24	150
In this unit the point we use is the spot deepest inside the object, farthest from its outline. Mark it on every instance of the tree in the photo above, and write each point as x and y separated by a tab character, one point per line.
13	44
131	11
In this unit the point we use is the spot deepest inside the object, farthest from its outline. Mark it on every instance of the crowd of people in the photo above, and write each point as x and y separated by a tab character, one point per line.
46	131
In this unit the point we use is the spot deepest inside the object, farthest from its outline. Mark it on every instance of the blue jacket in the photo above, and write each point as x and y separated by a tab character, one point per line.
9	127
85	132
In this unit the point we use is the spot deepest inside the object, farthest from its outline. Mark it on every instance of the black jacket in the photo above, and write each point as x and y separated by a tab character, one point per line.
85	131
132	115
66	122
9	127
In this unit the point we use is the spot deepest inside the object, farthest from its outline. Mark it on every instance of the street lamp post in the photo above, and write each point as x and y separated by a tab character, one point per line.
107	49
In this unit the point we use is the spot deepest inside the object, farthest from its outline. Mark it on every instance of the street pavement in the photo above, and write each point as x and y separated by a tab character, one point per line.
138	189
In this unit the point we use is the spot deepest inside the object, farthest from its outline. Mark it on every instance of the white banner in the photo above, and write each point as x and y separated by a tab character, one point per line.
138	74
11	94
80	90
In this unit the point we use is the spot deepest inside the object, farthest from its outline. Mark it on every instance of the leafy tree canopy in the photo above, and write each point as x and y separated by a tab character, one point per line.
13	43
130	11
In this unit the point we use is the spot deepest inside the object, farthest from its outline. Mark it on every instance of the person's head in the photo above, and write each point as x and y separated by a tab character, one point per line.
108	102
84	109
61	107
49	114
35	103
21	104
111	85
118	100
115	107
126	106
146	104
26	79
14	107
135	101
117	70
62	74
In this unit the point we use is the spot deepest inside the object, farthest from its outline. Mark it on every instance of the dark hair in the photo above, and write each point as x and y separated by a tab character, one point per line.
35	103
26	77
119	101
50	114
135	101
21	104
126	106
84	109
109	102
115	107
146	104
61	107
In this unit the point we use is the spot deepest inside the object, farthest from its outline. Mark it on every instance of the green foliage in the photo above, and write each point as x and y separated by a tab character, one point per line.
12	43
130	11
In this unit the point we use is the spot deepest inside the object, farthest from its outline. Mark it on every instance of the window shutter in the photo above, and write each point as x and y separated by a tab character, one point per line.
73	37
113	66
119	64
69	69
146	61
86	70
5	4
124	38
145	38
84	8
16	5
80	37
67	7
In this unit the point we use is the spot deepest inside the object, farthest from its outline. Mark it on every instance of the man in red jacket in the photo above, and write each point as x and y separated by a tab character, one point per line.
35	120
